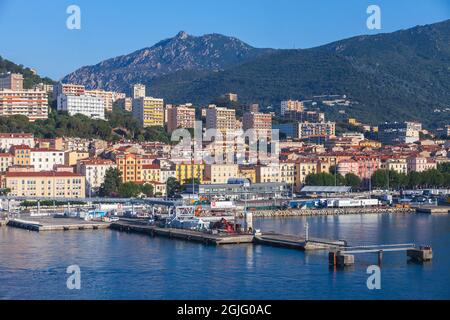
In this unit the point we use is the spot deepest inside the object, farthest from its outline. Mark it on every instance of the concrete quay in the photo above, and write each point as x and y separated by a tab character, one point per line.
56	224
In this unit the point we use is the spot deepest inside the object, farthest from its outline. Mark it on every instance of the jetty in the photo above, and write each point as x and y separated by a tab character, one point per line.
346	256
296	242
56	224
433	209
183	234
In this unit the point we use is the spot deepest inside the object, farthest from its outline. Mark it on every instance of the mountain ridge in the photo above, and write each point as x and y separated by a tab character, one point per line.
403	75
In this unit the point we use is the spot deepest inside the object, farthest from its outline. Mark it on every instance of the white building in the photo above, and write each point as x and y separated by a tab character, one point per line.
90	106
7	140
94	170
46	159
166	174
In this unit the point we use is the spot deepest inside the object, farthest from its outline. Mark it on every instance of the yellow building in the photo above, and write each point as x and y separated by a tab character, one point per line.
370	144
46	184
151	173
269	173
248	172
220	173
287	172
21	154
71	157
397	165
130	166
303	168
149	111
184	172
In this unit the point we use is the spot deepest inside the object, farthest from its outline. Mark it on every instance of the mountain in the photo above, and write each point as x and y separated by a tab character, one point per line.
404	75
29	77
208	53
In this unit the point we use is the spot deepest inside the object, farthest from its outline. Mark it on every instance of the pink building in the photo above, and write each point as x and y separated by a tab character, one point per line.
420	164
363	167
348	166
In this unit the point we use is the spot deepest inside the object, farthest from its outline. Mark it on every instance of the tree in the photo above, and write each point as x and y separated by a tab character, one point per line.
352	180
173	187
111	184
380	179
324	179
147	190
129	190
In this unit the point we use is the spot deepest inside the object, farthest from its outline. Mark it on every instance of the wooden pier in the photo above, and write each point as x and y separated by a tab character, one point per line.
182	234
56	224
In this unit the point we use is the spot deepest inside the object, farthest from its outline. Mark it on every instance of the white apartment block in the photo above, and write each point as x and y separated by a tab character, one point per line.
46	159
90	106
138	91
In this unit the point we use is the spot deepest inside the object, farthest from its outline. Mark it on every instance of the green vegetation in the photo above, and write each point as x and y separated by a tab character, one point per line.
114	187
384	179
401	75
428	179
329	179
120	124
48	203
173	187
30	79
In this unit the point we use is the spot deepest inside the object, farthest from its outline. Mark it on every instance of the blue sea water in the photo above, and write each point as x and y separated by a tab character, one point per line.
117	265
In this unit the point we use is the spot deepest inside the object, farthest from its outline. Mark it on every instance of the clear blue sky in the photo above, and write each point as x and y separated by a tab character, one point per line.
34	32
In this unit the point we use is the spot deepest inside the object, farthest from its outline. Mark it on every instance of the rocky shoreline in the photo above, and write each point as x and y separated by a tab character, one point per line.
329	212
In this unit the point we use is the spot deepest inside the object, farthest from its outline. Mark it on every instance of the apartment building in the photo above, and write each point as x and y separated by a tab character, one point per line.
222	119
184	172
397	165
291	105
165	174
420	164
149	111
68	89
45	184
258	121
21	155
130	166
303	168
399	133
46	159
287	172
138	91
310	130
151	173
182	116
125	104
32	104
7	140
90	106
269	173
71	158
109	97
220	173
94	171
6	161
11	81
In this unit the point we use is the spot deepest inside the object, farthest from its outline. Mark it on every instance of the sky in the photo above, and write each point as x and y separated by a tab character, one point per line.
34	32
